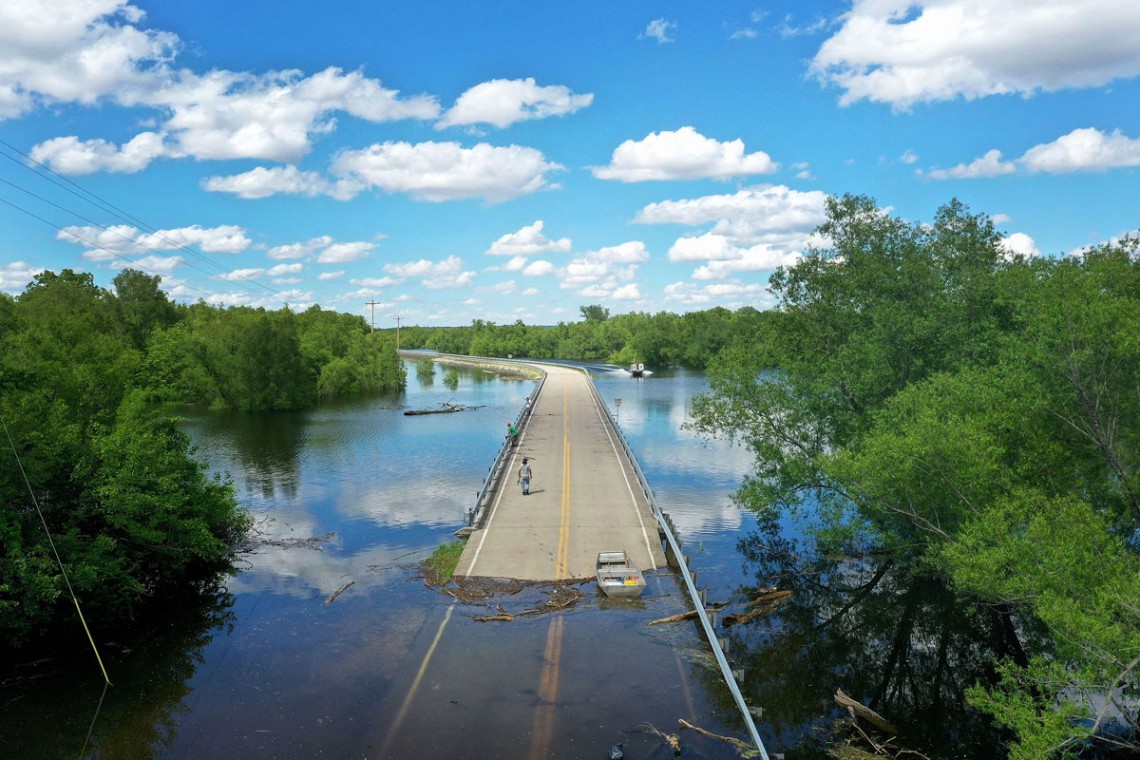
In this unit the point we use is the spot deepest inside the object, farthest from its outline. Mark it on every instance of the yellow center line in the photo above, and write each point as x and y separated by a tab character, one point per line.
542	734
392	730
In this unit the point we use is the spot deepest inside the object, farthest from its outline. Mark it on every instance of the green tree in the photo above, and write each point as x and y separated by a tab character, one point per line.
141	306
129	508
68	345
594	313
974	418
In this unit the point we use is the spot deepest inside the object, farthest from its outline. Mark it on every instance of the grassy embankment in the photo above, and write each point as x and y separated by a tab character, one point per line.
440	566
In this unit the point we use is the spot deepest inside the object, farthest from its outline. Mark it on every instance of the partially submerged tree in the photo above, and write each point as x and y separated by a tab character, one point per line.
976	418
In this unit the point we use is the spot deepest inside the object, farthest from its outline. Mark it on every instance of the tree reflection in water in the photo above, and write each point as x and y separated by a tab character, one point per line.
56	707
902	645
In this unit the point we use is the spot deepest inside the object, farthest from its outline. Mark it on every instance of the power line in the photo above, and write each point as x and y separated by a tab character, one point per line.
96	224
62	567
50	175
93	244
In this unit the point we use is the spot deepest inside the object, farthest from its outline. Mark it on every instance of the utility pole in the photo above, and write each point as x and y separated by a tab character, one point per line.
373	304
397	333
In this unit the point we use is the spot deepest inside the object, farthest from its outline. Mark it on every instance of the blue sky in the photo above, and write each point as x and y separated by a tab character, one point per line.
451	161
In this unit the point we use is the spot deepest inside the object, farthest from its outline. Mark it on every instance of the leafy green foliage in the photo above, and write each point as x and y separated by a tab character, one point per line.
258	360
976	419
658	340
130	511
594	313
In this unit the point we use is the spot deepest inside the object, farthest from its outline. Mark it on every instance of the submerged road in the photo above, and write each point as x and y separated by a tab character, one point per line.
569	683
584	496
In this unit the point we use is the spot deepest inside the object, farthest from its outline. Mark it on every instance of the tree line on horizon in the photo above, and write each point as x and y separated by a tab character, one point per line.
660	340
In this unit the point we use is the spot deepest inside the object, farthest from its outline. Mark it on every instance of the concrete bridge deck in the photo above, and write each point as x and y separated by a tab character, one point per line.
584	495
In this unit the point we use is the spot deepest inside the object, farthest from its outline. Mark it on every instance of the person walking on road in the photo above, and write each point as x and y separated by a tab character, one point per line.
524	476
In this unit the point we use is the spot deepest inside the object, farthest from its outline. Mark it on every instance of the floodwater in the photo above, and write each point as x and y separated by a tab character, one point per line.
264	666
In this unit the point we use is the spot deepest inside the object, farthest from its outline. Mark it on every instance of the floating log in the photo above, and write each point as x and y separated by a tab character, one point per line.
443	410
767	602
501	616
712	609
680	618
770	596
494	618
338	592
859	710
445	407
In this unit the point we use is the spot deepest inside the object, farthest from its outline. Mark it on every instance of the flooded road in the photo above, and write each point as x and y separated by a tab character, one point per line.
263	668
357	493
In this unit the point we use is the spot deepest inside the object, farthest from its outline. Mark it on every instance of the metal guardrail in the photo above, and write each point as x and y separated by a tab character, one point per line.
490	481
476	514
690	583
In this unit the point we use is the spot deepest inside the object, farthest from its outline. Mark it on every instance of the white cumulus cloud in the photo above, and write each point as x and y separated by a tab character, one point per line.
96	52
903	52
682	154
70	155
340	253
526	241
435	275
605	271
123	239
754	229
502	102
300	250
539	268
989	165
262	182
442	171
1082	150
1020	244
768	213
15	277
76	51
731	295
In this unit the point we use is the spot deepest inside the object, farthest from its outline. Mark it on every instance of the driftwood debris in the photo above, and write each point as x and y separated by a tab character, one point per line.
851	753
447	407
673	741
338	592
674	618
766	602
859	710
501	616
559	599
770	596
742	747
